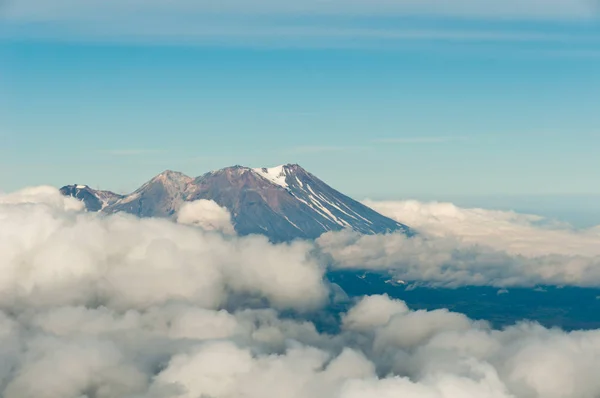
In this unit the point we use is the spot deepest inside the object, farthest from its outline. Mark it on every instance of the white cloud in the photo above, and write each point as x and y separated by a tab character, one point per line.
471	247
518	234
207	215
373	311
226	370
39	196
119	307
50	257
53	367
431	354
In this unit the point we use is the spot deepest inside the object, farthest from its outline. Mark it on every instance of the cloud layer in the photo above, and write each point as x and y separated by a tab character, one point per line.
460	247
52	255
519	234
120	307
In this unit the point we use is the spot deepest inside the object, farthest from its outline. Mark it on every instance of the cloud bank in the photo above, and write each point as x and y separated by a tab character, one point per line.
53	255
459	247
516	233
120	307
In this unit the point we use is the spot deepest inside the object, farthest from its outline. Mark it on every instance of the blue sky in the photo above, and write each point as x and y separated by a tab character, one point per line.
381	99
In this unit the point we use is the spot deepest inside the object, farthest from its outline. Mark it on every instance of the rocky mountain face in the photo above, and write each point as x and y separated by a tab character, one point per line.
160	197
283	203
94	200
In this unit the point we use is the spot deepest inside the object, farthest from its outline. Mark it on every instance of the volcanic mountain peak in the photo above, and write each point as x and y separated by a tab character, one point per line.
278	175
283	202
171	178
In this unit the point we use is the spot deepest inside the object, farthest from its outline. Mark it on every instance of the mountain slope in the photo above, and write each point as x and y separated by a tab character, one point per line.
94	200
283	203
286	202
160	197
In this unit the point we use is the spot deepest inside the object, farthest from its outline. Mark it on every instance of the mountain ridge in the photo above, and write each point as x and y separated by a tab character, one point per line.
93	199
285	202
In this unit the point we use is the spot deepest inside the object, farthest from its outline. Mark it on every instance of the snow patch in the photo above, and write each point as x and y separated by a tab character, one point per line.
316	199
81	186
342	211
353	211
320	212
290	221
276	175
316	205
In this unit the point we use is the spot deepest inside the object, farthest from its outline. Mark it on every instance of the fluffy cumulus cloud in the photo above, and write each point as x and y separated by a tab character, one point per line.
52	255
471	247
119	307
207	215
43	196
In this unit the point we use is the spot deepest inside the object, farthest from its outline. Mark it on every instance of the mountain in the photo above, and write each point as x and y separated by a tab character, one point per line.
160	197
286	202
283	203
93	199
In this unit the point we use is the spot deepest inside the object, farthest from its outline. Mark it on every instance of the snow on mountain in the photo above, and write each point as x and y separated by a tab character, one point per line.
284	202
94	200
276	175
